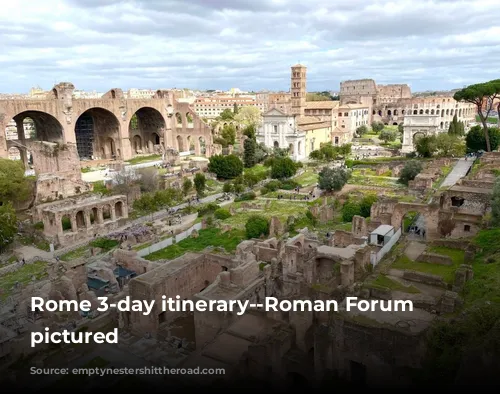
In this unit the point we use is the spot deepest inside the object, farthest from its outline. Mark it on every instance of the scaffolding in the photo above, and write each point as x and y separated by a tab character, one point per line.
85	137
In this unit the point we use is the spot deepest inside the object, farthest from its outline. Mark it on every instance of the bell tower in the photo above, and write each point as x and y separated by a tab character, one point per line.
298	89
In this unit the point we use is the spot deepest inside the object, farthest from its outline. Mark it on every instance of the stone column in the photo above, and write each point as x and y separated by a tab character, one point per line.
88	223
113	211
74	227
59	225
100	218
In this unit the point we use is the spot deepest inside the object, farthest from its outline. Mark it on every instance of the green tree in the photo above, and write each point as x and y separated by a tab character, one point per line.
8	225
235	108
316	155
426	146
362	130
387	135
200	183
350	209
495	204
227	114
450	144
456	128
187	186
366	203
250	131
410	171
225	167
14	186
228	133
401	128
282	168
377	127
475	139
256	227
332	179
249	149
481	94
248	115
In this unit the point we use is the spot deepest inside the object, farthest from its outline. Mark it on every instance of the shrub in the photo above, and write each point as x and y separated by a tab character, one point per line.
289	185
256	226
226	167
228	187
272	186
207	209
222	214
349	210
282	168
410	171
246	197
264	190
38	226
104	243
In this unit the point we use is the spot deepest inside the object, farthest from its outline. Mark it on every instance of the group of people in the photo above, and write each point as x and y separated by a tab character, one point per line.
417	231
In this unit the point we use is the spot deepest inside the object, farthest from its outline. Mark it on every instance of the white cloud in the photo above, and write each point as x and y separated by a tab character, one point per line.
99	44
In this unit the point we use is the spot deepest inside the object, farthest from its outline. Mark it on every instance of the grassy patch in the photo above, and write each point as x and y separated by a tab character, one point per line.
383	282
144	159
280	208
35	241
308	178
100	188
208	237
75	254
22	276
486	283
258	170
490	119
447	272
380	181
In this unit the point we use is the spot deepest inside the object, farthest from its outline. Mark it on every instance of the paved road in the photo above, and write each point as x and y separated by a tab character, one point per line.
460	169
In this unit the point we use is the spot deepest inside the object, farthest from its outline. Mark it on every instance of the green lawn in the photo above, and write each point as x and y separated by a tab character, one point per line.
280	208
447	272
22	276
258	169
383	282
208	237
491	119
380	181
144	159
308	178
75	254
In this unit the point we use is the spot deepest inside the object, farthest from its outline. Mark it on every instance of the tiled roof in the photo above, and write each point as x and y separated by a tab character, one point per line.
302	120
321	104
314	126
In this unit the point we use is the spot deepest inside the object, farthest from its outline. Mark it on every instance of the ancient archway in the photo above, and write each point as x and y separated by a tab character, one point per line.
149	125
94	130
180	143
119	209
27	127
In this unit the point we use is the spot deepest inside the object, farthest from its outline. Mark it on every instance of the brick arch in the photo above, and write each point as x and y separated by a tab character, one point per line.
151	126
429	212
47	126
98	133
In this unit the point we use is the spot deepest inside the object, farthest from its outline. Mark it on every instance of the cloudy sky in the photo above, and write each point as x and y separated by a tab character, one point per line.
250	44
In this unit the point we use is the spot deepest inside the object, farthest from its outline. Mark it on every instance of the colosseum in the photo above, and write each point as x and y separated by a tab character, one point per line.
395	104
